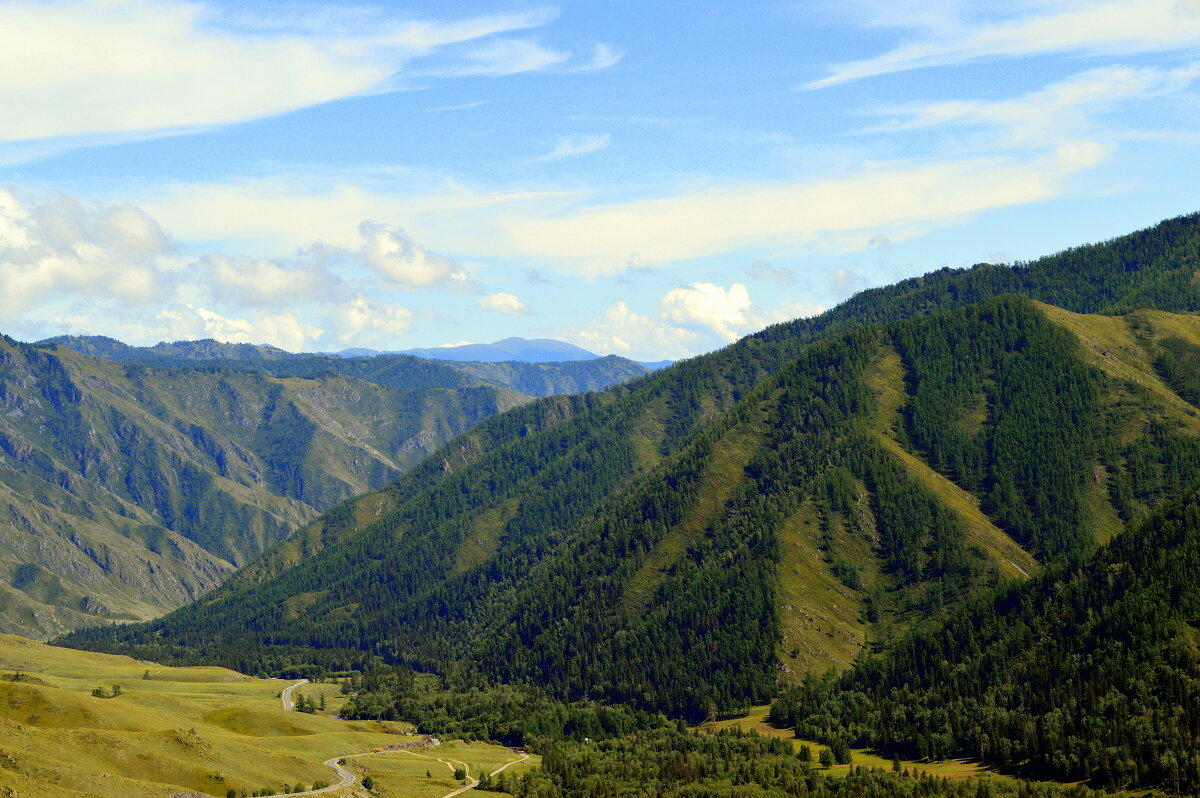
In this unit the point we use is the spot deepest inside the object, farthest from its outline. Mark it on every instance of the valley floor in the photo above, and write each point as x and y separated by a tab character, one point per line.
184	732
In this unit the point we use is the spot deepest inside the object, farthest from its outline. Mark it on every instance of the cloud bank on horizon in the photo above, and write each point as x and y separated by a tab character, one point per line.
401	175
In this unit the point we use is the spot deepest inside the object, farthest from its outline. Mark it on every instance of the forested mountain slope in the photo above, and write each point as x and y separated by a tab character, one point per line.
784	501
1091	672
129	490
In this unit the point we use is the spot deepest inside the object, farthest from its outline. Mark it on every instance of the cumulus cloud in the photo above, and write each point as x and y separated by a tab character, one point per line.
502	302
91	267
792	309
60	246
847	282
85	67
1095	27
621	331
286	330
366	322
762	270
393	255
258	281
724	311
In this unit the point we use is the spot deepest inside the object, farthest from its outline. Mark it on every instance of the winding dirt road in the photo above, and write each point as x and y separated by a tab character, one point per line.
347	779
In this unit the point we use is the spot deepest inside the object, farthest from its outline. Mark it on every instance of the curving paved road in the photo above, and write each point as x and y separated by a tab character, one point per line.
286	695
346	778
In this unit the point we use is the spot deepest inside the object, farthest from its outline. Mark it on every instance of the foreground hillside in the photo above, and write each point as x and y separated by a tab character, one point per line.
771	508
182	731
190	732
130	488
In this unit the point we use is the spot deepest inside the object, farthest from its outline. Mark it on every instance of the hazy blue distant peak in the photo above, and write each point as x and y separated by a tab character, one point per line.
536	350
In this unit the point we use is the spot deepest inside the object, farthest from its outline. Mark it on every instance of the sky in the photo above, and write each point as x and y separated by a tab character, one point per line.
652	179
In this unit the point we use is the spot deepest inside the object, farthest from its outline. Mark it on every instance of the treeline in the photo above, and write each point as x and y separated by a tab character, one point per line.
515	716
669	763
1086	673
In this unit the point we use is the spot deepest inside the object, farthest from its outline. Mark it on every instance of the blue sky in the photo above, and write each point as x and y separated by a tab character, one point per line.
653	179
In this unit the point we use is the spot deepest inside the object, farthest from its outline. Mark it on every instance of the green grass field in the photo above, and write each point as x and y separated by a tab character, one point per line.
756	721
429	773
183	731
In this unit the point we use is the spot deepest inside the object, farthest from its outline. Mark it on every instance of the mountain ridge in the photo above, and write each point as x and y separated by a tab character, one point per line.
565	504
133	486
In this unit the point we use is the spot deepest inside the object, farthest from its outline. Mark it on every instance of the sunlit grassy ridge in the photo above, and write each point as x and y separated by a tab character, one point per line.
198	729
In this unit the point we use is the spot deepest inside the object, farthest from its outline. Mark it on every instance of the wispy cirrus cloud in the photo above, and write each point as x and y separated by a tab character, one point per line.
76	68
1097	27
576	232
502	57
569	147
603	57
1045	117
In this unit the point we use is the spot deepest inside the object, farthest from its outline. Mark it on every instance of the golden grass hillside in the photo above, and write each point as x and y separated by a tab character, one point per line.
177	732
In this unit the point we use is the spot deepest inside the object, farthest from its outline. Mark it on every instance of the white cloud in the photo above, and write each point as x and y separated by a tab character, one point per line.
1060	111
762	270
608	239
502	302
286	330
621	331
690	317
721	310
572	232
363	321
259	281
846	282
393	255
792	309
502	57
86	67
603	57
1096	27
108	268
580	145
60	247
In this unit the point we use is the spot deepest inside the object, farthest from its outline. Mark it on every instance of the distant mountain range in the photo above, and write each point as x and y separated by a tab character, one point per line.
528	350
508	350
134	479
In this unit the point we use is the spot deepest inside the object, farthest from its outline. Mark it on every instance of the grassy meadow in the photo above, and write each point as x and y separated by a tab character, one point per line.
756	721
180	732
